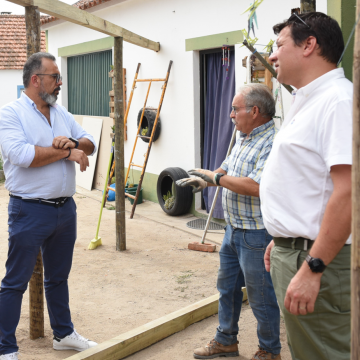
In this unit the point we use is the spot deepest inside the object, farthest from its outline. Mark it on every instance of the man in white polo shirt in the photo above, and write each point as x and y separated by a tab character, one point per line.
305	190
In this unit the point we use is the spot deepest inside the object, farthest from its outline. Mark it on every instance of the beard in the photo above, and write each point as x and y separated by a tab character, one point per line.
49	98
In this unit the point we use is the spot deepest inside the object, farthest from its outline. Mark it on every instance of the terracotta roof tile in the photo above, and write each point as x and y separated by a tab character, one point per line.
13	42
81	4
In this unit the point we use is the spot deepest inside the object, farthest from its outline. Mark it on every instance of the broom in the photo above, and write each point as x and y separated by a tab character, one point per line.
94	243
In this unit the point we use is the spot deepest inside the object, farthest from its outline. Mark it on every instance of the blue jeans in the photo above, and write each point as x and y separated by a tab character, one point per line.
242	264
32	227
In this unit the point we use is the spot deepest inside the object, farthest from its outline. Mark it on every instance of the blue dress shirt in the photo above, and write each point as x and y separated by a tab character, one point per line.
22	126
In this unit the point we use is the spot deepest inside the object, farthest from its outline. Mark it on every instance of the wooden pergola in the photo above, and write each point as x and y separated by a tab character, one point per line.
149	333
33	36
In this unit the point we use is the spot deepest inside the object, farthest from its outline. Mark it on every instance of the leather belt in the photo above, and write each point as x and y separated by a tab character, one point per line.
58	202
298	243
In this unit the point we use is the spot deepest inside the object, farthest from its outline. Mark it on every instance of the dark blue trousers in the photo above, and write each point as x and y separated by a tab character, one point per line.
32	227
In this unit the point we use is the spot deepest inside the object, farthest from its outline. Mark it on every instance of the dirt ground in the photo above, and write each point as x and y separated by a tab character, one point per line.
113	292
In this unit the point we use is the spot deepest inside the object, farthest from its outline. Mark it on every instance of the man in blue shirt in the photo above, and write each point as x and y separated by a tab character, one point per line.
40	143
245	241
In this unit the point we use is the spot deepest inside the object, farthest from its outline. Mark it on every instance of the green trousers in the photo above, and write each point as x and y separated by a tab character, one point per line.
325	333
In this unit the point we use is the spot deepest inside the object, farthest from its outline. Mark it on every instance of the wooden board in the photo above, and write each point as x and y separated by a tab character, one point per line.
93	126
72	14
150	333
137	339
103	154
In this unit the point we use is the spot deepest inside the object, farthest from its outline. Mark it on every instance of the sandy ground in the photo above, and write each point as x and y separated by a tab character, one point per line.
113	292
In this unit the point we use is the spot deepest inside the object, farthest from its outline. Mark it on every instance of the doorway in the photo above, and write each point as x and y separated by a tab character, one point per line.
217	89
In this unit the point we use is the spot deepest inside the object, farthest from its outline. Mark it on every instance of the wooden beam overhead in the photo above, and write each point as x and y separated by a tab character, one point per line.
72	14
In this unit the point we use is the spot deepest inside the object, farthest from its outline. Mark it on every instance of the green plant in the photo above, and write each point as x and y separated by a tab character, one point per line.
112	67
181	279
169	200
144	131
181	288
113	129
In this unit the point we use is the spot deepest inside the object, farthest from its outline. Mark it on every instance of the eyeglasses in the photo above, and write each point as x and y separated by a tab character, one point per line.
235	108
56	76
295	17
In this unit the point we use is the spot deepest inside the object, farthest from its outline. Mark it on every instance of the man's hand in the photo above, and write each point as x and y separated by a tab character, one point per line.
80	157
196	182
302	291
207	175
267	255
63	142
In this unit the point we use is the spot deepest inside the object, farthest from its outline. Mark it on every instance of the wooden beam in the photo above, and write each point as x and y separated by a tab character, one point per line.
119	145
36	301
307	6
137	339
266	65
355	247
36	284
150	333
72	14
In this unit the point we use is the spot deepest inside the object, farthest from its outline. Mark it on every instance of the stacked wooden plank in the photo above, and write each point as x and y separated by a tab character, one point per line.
258	72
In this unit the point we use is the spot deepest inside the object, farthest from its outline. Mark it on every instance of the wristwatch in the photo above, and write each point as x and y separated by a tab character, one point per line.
76	141
316	265
217	178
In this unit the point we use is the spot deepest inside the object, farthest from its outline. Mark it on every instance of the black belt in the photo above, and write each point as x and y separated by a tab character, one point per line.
58	202
298	243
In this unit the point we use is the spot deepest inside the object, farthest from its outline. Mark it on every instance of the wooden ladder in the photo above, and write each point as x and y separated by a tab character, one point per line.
138	135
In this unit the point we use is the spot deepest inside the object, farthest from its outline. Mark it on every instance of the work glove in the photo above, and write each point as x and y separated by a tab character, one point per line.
207	175
197	183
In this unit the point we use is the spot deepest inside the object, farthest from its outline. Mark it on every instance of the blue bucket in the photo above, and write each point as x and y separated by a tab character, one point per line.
111	194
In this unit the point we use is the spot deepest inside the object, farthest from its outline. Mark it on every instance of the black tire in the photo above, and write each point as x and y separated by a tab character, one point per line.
148	122
183	195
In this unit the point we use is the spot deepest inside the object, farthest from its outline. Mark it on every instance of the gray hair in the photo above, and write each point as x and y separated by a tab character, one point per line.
33	65
259	95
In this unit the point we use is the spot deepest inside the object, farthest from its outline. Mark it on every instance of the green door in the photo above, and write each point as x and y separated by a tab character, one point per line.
89	83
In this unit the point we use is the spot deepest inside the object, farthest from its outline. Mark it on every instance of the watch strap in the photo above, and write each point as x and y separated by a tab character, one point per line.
218	177
74	141
65	158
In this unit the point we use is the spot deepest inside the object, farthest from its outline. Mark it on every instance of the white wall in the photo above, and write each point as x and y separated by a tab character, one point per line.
9	80
170	23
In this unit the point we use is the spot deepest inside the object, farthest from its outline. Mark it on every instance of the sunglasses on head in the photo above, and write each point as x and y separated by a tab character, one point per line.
295	17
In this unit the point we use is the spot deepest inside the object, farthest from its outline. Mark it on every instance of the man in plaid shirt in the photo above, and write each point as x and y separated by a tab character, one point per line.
243	248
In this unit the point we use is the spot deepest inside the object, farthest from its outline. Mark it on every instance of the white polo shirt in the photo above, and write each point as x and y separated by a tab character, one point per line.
316	134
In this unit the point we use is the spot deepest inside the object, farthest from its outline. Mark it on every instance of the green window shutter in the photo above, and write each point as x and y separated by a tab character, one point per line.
89	83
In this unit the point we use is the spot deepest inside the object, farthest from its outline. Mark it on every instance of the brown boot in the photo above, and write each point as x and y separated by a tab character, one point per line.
214	349
264	355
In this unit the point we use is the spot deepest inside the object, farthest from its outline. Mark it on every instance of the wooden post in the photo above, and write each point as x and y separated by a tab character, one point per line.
268	75
119	145
307	6
33	32
265	64
355	251
36	284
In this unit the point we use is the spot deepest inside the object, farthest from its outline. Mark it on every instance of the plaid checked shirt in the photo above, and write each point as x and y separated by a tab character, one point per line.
247	158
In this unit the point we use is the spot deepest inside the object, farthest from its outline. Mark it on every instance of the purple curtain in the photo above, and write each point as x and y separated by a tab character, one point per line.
218	126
